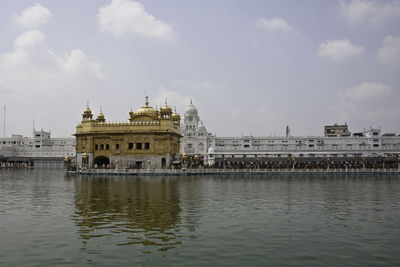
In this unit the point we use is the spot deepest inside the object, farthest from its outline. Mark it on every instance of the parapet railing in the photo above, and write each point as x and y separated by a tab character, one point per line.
206	171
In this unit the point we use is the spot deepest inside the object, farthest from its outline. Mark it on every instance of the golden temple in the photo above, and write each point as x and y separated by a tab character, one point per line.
149	139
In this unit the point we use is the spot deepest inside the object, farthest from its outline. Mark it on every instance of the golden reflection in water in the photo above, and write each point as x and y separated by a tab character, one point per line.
140	210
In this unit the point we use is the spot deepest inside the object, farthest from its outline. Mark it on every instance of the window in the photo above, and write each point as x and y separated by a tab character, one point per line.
116	146
101	147
130	146
147	145
96	147
139	146
246	146
107	146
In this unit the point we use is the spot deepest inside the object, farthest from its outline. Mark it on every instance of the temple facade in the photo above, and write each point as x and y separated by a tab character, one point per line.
150	139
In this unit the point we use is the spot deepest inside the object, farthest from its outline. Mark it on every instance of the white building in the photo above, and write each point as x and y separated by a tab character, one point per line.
41	150
344	146
195	138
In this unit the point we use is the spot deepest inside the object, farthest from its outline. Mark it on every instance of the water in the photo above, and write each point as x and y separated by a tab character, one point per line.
48	219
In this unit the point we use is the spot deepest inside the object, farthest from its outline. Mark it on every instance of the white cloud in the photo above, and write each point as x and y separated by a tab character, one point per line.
273	25
339	50
365	92
31	63
33	16
389	52
368	103
35	81
375	12
124	17
174	98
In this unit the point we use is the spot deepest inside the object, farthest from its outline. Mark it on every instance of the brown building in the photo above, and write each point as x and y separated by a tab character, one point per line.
149	139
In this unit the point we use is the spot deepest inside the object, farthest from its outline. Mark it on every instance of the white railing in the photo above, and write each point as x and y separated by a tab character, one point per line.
232	171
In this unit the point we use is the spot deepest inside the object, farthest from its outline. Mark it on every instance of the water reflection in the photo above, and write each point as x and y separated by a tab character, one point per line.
137	210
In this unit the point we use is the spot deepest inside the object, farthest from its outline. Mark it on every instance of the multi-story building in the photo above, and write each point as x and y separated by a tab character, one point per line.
149	138
338	143
40	150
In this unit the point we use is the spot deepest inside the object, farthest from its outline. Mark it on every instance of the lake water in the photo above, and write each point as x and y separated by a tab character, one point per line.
47	219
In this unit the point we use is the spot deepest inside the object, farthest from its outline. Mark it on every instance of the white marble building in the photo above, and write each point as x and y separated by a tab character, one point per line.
195	138
369	143
40	150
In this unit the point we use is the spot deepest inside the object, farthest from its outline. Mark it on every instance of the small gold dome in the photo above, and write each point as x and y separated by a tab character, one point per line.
87	113
184	156
66	159
100	116
175	116
166	110
85	156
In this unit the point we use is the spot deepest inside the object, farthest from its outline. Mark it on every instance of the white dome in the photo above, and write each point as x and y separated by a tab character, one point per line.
191	110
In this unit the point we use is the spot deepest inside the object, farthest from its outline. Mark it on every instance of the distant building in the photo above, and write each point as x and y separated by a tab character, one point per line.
336	144
40	150
149	139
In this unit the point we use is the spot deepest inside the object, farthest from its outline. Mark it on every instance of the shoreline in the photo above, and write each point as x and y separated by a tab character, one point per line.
196	172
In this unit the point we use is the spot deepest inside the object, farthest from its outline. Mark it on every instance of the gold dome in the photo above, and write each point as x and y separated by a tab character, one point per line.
100	116
166	110
87	113
175	116
147	110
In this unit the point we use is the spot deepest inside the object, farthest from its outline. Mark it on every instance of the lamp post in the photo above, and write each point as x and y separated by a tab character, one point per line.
293	163
85	159
224	162
67	163
328	163
183	160
258	163
116	164
196	160
363	160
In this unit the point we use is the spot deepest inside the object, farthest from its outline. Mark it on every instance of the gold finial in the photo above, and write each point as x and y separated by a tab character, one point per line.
147	101
101	109
166	101
191	102
87	103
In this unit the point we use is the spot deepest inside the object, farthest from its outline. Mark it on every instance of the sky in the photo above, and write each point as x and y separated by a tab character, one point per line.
249	66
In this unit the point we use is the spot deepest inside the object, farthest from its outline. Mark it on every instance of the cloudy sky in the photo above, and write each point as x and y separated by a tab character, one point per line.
251	67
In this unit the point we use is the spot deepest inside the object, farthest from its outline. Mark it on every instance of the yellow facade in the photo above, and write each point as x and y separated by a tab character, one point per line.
149	139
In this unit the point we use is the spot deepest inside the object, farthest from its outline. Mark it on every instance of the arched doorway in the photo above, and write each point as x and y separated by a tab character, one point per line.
101	160
163	163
